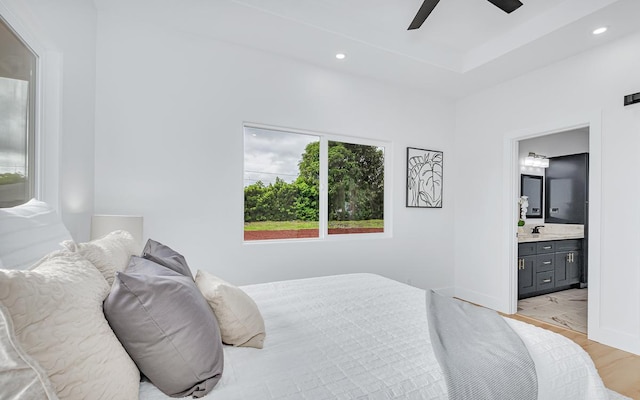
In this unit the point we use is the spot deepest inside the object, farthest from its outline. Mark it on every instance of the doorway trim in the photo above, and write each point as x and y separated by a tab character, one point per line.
511	171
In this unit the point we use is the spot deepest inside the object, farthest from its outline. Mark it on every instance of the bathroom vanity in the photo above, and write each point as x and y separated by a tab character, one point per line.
552	255
550	261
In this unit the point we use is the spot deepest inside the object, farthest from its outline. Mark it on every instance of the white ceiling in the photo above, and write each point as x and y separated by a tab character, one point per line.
464	46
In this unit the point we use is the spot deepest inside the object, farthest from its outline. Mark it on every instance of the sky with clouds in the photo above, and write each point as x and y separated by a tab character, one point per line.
13	125
269	154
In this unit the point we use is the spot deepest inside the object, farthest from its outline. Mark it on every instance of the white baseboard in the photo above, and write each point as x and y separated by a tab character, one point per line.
479	298
446	291
614	338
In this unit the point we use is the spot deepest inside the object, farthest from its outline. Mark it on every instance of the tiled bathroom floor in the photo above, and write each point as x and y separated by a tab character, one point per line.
567	308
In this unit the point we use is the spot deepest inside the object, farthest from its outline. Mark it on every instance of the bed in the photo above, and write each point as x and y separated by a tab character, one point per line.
365	336
354	336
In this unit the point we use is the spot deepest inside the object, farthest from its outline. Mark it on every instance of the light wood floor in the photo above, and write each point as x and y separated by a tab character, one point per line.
620	371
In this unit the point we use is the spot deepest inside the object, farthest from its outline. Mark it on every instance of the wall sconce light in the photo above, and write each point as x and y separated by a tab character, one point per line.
536	160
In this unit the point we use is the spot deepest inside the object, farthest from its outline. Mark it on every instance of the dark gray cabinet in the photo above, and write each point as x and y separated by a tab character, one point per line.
569	262
545	273
568	267
526	268
544	281
526	275
548	266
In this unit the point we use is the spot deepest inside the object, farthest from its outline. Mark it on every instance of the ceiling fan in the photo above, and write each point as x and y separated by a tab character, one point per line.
507	6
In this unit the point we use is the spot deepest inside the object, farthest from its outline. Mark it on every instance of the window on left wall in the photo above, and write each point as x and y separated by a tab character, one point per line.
17	118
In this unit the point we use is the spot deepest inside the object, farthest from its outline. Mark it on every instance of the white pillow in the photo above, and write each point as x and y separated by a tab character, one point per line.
28	232
56	309
110	254
240	321
20	375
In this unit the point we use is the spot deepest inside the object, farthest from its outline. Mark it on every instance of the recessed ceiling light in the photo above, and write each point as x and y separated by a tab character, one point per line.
600	30
341	56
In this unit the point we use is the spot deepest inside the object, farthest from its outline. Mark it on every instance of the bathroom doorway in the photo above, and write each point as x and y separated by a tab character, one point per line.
552	259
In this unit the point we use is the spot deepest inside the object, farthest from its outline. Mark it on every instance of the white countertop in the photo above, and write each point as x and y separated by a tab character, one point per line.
550	232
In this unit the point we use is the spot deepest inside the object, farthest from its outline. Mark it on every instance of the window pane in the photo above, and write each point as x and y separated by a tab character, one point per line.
16	119
281	184
356	188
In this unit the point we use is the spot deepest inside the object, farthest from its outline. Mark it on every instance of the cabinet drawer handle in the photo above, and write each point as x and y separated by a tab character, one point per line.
546	262
546	280
546	247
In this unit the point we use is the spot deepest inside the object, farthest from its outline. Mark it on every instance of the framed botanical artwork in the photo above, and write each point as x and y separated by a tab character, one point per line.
424	178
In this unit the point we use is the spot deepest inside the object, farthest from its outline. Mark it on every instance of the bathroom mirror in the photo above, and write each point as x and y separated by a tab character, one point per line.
531	186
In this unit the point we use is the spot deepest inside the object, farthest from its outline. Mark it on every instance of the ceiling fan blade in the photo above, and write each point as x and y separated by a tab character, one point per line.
423	13
507	6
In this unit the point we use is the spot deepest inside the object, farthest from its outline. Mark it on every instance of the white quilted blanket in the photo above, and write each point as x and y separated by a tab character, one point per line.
363	336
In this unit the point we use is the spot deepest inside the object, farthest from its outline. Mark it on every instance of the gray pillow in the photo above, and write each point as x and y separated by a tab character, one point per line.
166	256
167	327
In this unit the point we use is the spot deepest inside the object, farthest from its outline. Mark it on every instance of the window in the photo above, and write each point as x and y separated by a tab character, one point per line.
355	188
285	171
281	187
17	119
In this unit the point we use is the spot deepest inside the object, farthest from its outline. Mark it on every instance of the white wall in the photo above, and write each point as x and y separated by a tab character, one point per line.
66	31
169	146
574	141
592	83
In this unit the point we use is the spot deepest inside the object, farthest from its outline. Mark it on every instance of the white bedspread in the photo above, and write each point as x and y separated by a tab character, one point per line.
365	336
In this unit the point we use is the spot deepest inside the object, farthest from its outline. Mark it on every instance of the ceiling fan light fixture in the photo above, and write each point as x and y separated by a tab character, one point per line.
425	10
341	56
427	7
600	31
507	6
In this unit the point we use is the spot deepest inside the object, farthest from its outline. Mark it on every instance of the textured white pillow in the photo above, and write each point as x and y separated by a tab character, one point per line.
20	376
110	254
56	309
240	321
28	232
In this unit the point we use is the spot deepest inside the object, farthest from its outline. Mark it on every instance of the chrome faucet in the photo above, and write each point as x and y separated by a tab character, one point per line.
536	229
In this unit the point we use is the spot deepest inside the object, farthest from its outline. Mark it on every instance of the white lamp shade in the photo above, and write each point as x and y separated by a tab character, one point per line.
102	225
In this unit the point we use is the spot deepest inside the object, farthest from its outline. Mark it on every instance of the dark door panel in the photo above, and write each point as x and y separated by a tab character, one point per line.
567	189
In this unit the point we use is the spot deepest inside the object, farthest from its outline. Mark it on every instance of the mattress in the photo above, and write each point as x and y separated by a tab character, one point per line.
362	336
